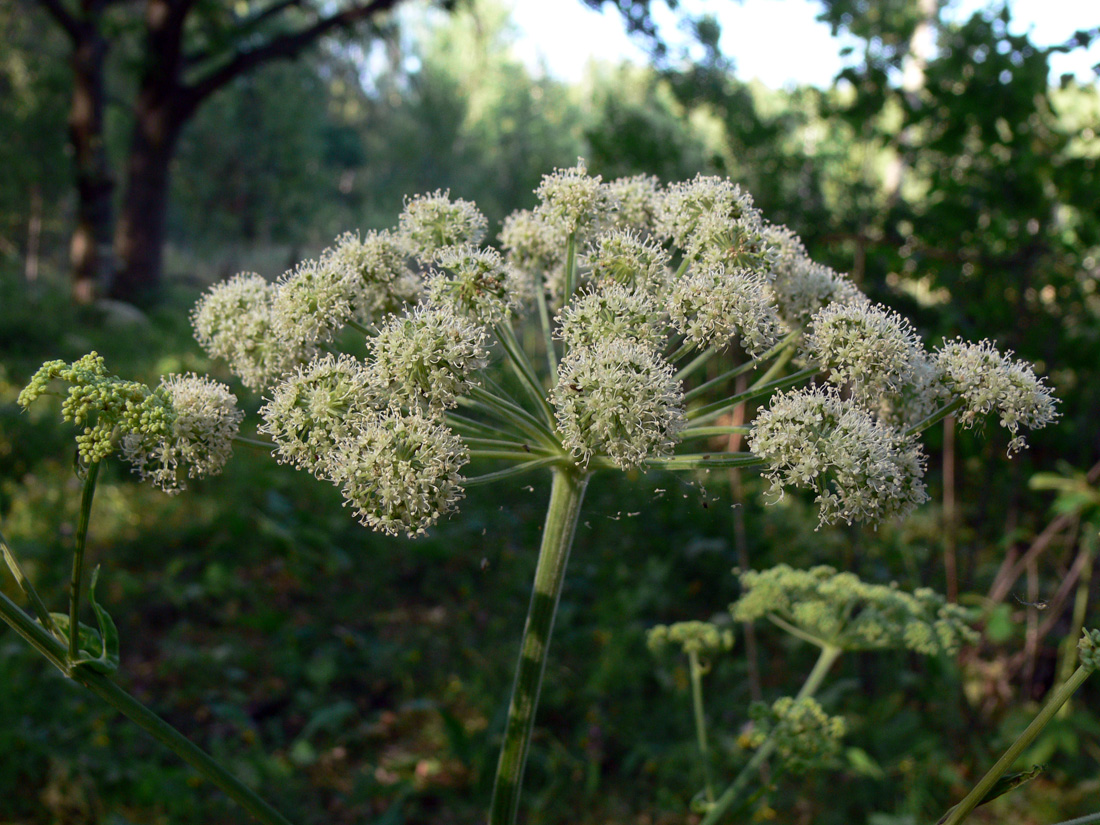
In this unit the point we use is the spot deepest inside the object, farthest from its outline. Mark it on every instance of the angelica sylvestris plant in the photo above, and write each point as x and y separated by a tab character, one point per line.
392	367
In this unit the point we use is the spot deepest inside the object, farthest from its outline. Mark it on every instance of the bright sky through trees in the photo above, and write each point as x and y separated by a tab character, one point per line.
777	41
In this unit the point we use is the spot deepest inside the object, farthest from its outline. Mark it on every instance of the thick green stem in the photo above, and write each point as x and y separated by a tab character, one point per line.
86	496
700	721
825	660
1060	696
566	494
124	703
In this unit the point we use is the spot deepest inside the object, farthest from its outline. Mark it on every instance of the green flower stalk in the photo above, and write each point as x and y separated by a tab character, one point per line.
698	641
1089	650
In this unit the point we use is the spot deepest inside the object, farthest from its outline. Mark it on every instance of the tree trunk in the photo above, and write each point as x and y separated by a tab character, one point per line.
139	237
161	109
90	250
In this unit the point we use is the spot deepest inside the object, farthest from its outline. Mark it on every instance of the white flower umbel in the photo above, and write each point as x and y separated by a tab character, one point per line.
988	381
425	356
800	285
234	320
477	283
862	469
314	301
381	280
686	203
431	222
313	408
613	312
637	201
879	356
399	471
200	441
623	257
720	239
533	242
619	399
714	306
573	197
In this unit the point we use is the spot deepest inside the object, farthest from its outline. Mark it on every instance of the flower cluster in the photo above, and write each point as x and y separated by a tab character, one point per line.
477	283
861	469
199	441
878	356
714	205
427	296
840	610
619	399
433	222
614	312
715	306
573	197
399	471
106	406
988	380
799	285
235	320
425	356
182	429
315	408
622	256
637	201
806	738
695	637
1088	648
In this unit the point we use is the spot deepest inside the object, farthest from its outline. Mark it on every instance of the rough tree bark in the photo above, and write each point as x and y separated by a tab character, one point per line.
90	249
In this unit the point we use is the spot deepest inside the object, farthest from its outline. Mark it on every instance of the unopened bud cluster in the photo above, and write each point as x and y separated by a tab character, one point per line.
182	429
700	638
805	737
842	611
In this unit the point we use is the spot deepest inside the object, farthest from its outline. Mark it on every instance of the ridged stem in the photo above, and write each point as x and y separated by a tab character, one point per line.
566	495
86	496
700	721
1060	696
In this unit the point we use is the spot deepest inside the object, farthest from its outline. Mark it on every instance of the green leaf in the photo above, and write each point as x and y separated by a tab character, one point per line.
862	763
1010	783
